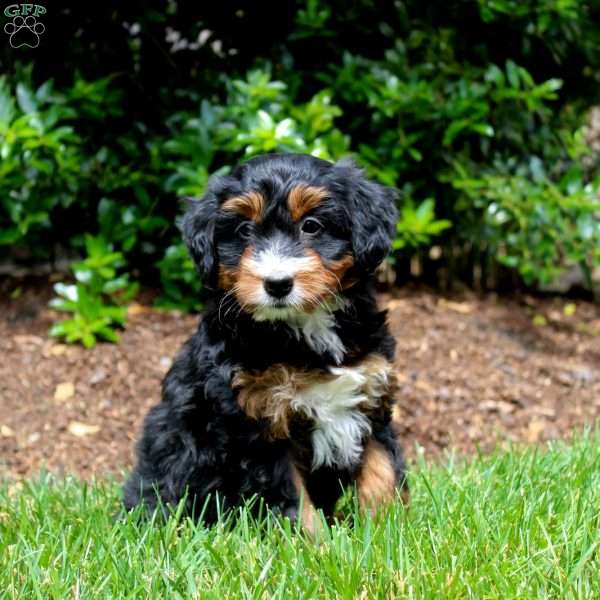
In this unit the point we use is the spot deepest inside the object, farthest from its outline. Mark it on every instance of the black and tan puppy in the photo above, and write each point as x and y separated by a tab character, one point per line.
286	389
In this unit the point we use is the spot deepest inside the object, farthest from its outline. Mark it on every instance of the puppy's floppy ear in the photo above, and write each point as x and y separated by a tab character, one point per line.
373	213
199	226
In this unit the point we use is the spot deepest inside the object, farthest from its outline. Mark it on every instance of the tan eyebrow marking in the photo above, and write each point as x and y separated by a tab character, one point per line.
250	205
303	198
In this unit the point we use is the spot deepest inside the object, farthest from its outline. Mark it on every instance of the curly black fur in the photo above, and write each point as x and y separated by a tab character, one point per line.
197	442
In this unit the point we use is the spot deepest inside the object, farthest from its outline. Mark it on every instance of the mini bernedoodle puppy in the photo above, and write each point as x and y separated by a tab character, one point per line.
286	389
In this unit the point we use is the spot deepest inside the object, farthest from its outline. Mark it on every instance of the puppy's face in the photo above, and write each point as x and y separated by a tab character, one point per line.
286	234
283	248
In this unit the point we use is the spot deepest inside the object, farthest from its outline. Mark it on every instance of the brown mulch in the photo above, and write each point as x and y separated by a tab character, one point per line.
474	372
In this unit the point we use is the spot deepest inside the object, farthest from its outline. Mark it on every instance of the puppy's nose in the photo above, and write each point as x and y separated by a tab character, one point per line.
278	288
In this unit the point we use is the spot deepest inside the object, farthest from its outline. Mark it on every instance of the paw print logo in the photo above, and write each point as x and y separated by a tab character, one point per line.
24	31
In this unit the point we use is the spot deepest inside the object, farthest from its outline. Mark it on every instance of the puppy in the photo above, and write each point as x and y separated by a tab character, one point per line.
285	391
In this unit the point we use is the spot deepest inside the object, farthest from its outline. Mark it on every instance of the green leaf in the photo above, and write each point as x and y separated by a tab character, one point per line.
9	235
57	329
88	339
512	72
26	99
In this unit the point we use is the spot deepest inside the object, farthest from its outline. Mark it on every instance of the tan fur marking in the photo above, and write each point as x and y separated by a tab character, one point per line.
309	517
376	482
250	205
339	267
268	394
248	284
240	278
303	198
320	283
227	277
323	281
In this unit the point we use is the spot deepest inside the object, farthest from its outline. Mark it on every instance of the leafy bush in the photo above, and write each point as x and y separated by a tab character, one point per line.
96	299
179	282
40	162
473	109
259	115
534	225
418	225
475	128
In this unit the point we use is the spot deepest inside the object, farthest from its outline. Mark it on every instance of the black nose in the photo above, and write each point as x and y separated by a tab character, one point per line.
279	288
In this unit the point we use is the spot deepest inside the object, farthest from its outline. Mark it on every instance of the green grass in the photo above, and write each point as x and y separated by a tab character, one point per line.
518	524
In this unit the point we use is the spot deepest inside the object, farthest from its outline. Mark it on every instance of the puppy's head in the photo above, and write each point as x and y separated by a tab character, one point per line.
285	234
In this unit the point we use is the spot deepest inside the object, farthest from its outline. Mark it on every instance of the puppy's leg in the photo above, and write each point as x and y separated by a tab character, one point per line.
307	514
270	474
381	474
171	465
325	486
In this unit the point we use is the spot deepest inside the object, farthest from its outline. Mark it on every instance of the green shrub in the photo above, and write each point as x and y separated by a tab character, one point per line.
472	109
97	297
40	164
417	226
489	142
535	225
179	281
259	115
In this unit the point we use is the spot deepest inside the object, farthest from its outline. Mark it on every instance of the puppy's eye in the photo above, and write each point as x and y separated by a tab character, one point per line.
244	230
311	227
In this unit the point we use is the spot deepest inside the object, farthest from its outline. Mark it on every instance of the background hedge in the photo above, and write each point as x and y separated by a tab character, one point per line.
475	110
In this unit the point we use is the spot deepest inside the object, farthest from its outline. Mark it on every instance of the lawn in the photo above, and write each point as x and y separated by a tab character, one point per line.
521	523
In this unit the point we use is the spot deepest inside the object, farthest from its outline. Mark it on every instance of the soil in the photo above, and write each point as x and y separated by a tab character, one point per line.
475	372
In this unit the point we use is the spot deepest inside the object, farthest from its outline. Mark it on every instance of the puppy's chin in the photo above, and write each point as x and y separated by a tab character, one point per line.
265	308
294	314
276	313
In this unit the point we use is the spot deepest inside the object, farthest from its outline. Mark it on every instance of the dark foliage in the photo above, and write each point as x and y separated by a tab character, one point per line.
474	109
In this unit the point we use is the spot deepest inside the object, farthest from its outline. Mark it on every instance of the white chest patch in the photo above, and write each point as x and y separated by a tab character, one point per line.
318	330
340	426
